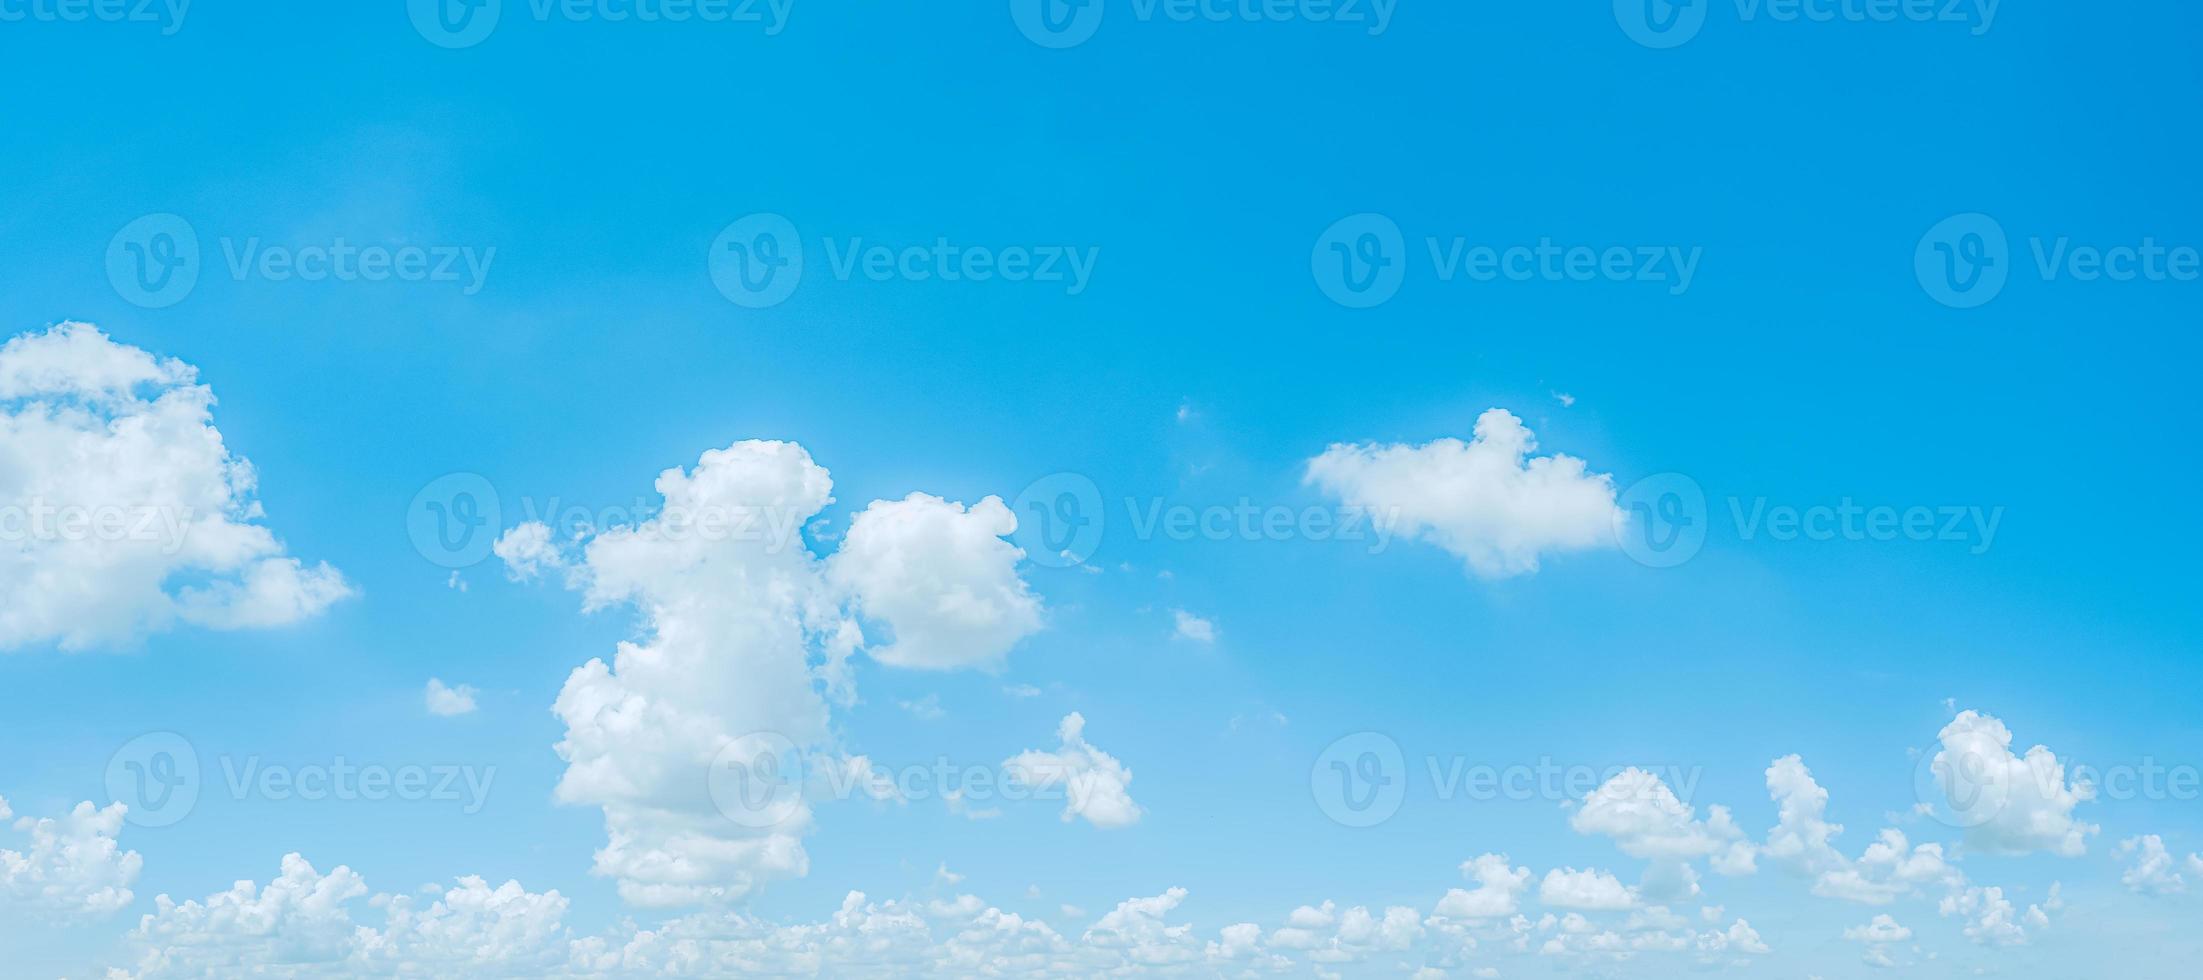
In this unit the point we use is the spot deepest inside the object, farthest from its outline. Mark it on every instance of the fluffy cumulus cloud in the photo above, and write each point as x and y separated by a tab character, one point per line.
1589	889
688	737
940	578
309	924
122	511
2152	870
1802	843
1094	785
305	923
1498	888
449	701
1488	500
69	867
2010	804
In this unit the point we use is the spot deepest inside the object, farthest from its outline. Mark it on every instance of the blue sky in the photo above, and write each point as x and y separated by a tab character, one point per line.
1181	347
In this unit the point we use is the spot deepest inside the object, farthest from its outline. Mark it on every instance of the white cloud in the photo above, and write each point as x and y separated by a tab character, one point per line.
927	708
1192	627
71	866
1487	501
1589	889
1095	785
1646	819
301	924
1498	887
941	578
732	627
449	701
2009	804
2153	872
1881	930
1993	920
1802	842
122	512
745	650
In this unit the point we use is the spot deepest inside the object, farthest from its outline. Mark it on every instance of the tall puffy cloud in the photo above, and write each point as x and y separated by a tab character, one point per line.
122	511
1487	501
1094	784
2009	804
693	738
71	866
